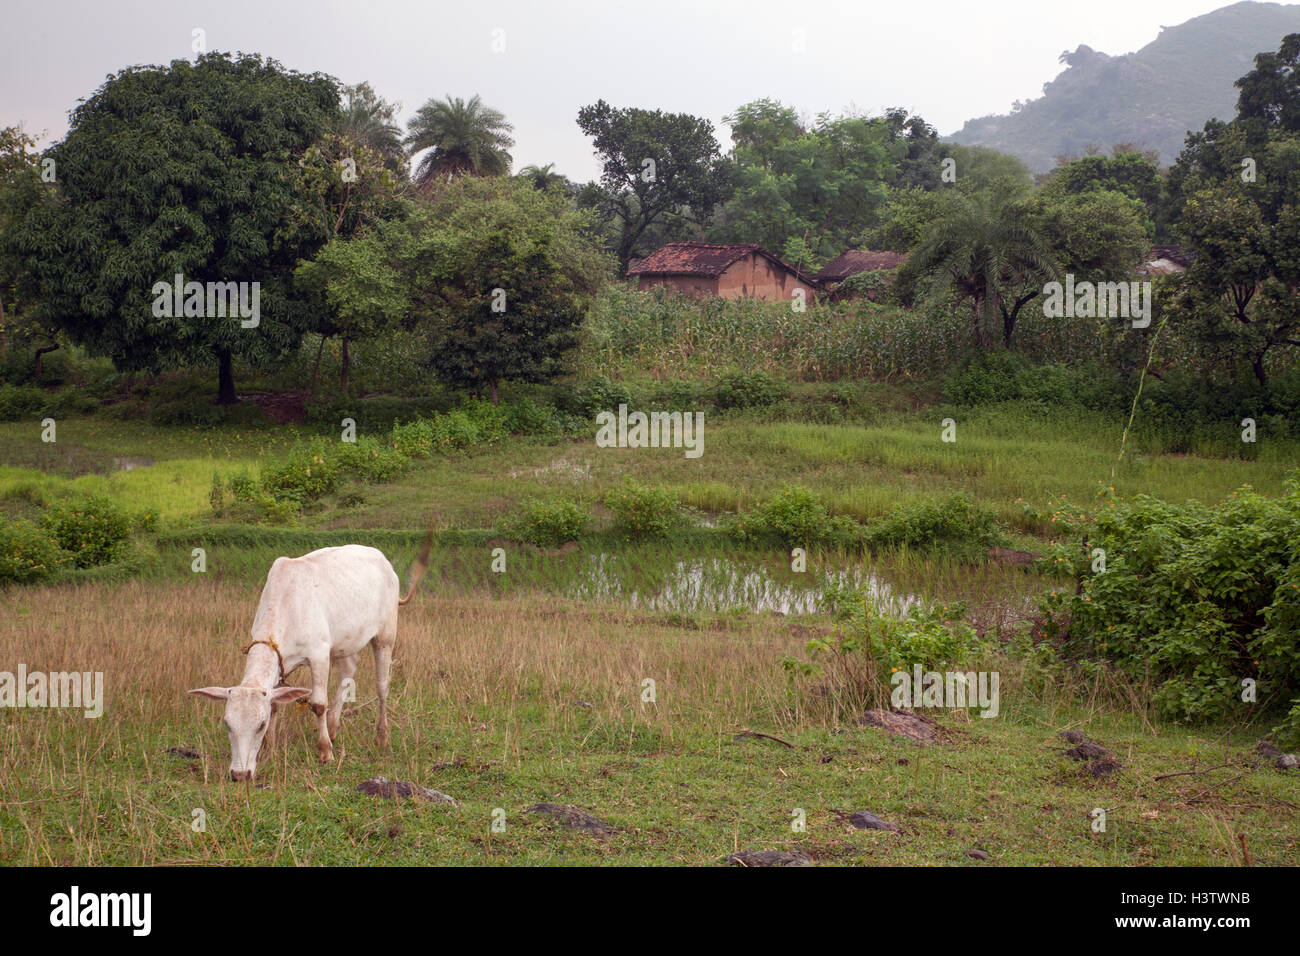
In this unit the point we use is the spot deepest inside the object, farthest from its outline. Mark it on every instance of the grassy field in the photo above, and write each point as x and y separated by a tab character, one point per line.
506	703
525	687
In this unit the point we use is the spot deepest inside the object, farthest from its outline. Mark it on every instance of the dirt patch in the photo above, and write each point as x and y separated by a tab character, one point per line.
574	818
769	858
901	723
862	820
395	789
1008	557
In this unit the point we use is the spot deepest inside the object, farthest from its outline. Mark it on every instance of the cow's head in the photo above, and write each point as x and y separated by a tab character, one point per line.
248	712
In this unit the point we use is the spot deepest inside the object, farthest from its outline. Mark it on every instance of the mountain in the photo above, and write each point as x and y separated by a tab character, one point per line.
1150	98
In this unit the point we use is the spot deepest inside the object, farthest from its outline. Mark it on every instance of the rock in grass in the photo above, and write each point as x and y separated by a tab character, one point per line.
574	818
901	723
770	858
976	854
862	820
1287	762
185	753
393	789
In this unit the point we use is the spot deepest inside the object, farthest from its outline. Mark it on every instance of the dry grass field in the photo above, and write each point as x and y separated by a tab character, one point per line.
509	702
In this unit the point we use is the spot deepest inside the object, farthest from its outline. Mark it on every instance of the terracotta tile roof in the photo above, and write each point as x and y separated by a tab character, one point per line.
703	259
859	260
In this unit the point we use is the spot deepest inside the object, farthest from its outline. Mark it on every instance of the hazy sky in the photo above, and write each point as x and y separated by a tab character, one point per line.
948	60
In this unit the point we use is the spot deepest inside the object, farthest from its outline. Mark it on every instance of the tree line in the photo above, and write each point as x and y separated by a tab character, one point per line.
232	168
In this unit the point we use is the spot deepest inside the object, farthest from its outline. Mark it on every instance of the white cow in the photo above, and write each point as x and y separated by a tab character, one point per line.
326	605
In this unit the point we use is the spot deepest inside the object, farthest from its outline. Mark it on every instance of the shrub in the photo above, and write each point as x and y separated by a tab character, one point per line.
311	470
92	530
641	511
1192	598
20	401
955	520
748	390
547	523
523	416
27	553
415	439
369	460
988	378
797	518
598	394
868	646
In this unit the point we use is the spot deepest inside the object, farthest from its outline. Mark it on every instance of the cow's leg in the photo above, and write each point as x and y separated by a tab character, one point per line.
320	698
383	648
347	670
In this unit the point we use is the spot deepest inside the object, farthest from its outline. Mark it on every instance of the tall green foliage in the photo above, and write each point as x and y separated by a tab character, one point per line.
180	169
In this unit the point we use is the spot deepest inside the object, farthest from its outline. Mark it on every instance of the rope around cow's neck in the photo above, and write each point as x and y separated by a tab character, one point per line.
270	642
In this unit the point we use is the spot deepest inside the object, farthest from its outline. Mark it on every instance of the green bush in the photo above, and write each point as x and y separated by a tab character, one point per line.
20	401
523	416
598	394
797	518
92	530
548	523
956	520
641	511
311	471
27	553
370	460
1193	598
415	439
868	646
748	390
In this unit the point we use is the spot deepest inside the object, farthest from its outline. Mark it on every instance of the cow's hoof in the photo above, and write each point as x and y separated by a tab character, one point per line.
327	756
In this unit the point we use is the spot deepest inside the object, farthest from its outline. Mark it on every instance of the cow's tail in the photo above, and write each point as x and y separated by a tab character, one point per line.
418	567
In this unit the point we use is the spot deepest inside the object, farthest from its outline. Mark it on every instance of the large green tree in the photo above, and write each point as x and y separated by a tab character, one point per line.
986	251
21	192
183	169
1236	188
655	166
351	191
458	137
500	273
369	119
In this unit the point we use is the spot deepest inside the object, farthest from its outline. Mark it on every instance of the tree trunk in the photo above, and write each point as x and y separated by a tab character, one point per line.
39	364
495	397
1258	365
225	380
977	313
311	390
344	367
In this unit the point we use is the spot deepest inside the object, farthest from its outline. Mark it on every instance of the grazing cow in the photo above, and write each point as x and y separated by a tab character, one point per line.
326	605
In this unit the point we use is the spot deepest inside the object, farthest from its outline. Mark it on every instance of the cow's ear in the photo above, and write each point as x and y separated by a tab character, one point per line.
283	695
211	693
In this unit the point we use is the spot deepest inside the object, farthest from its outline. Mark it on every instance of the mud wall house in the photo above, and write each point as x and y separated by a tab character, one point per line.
733	271
855	261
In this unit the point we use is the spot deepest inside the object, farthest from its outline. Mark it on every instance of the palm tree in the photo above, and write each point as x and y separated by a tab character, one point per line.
461	137
368	119
984	249
542	177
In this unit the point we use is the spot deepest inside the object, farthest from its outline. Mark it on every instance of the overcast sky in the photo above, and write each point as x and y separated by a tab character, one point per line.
949	60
